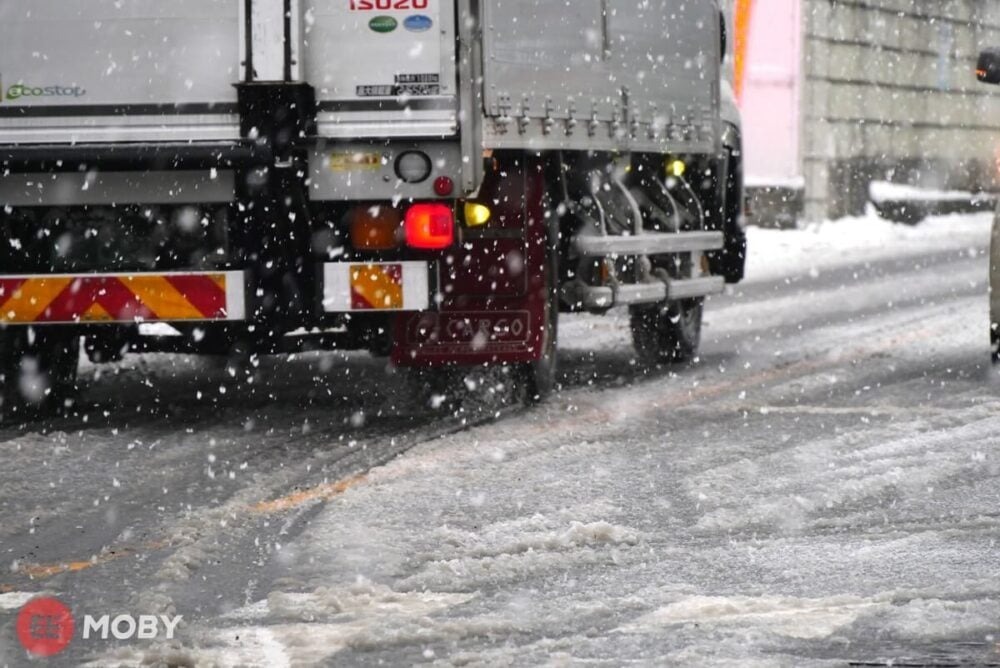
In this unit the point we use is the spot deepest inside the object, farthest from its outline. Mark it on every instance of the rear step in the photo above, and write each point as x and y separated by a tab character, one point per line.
589	297
652	243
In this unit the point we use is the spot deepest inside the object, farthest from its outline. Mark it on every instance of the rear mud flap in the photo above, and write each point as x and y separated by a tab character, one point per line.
469	337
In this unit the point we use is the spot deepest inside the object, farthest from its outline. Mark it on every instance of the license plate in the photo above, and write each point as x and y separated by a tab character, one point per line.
376	286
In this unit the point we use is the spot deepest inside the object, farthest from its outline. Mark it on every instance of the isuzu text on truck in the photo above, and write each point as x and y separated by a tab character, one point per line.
431	180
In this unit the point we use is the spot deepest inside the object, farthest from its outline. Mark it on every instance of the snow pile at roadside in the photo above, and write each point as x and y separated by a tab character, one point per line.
883	191
816	247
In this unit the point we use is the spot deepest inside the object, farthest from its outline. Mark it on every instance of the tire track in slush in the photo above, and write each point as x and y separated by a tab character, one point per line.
276	504
593	414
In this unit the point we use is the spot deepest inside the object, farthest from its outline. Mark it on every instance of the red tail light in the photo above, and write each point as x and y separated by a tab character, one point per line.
430	226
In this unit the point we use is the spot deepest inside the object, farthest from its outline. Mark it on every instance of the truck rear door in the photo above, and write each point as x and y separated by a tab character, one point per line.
83	71
381	68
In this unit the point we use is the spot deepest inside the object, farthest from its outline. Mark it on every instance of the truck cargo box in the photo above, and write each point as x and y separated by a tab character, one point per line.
80	71
589	75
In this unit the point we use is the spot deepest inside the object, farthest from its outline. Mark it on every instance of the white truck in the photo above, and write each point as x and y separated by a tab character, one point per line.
431	180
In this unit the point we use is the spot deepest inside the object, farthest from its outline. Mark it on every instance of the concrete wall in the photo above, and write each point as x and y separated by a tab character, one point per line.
889	92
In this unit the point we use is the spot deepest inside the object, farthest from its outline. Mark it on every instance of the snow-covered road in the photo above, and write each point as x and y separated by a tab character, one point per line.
823	485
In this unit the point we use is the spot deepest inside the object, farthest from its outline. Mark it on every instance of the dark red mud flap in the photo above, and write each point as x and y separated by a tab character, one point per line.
493	283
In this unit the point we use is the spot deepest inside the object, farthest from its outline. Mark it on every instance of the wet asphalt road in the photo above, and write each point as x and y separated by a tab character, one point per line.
176	486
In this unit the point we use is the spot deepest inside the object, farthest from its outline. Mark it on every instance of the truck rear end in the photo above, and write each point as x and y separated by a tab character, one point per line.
411	177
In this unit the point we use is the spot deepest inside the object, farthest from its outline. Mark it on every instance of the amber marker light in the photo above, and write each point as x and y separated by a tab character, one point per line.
375	228
676	168
477	215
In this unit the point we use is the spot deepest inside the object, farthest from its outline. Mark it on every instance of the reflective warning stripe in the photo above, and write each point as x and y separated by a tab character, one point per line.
377	287
160	295
124	298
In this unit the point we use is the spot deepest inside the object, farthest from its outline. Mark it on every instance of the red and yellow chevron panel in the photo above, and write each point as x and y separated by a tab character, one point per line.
122	298
376	286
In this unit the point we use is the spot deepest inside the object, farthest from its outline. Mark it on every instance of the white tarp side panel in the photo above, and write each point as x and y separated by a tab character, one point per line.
651	68
381	67
552	50
668	55
89	63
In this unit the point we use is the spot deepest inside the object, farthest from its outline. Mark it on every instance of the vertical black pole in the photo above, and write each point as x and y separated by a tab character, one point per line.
288	40
248	46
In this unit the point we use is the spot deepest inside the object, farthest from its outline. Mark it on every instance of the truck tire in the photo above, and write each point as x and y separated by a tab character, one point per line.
995	289
730	262
38	371
10	376
540	377
667	333
995	343
60	361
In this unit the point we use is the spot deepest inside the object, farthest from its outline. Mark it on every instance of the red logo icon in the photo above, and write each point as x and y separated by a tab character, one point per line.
45	626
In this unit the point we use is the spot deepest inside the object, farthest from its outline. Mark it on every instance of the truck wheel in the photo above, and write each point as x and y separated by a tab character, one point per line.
540	375
667	334
38	371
